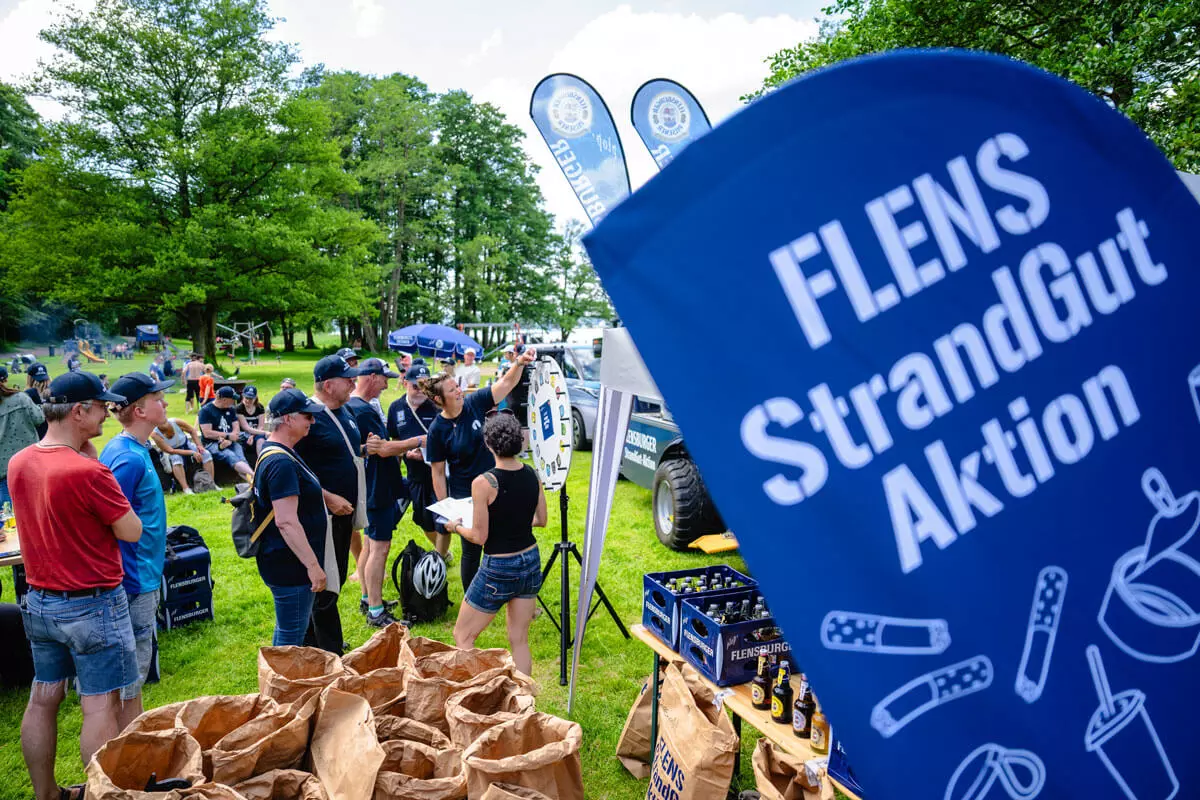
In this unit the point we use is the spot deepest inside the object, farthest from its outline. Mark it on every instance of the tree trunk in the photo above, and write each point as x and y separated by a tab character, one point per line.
210	331
309	342
266	338
289	334
342	331
195	321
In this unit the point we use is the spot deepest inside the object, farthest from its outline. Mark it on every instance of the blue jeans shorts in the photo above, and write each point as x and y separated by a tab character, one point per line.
143	609
89	638
503	578
229	456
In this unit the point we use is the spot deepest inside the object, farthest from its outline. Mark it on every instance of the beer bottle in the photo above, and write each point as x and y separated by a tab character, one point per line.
819	738
802	714
781	696
761	685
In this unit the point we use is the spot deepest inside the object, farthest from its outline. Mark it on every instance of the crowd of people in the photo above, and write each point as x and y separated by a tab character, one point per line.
328	468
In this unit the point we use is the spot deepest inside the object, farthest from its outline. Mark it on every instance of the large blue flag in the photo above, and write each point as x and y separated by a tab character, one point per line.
971	489
580	133
668	118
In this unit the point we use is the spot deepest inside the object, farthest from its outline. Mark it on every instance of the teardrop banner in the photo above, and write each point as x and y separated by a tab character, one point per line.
969	488
668	118
579	130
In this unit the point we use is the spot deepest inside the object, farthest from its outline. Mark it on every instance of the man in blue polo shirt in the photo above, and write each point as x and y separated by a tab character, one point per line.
127	455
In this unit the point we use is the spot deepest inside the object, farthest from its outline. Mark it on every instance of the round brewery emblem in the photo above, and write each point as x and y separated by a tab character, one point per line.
439	344
670	118
570	112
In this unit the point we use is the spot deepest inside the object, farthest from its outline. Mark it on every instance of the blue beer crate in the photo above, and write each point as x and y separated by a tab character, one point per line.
188	575
198	608
728	654
661	606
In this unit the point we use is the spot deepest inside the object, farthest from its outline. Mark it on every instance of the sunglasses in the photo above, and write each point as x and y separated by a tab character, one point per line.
496	411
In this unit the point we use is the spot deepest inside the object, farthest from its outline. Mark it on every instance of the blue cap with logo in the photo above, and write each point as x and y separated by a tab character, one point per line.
334	366
38	372
416	372
348	353
376	366
293	401
227	392
77	387
250	391
136	385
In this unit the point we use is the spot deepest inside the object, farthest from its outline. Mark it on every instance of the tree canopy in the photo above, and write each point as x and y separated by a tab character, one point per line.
1141	56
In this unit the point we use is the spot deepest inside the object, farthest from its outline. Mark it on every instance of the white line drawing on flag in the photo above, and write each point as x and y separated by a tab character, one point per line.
930	691
991	763
1194	387
875	633
1048	595
1136	760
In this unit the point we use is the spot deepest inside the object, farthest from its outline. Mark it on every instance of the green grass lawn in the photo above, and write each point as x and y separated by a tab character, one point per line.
219	657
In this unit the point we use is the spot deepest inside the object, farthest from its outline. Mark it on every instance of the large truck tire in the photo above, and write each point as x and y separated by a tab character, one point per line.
681	507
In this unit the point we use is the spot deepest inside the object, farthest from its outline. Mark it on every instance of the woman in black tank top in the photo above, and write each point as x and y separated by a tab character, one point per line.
508	504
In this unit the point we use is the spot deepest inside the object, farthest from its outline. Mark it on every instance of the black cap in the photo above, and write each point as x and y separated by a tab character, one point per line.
416	372
227	392
333	367
3	373
376	366
76	387
293	401
292	381
447	360
38	372
250	391
418	360
347	353
136	385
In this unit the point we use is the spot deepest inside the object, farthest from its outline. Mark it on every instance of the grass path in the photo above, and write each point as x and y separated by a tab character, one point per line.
219	657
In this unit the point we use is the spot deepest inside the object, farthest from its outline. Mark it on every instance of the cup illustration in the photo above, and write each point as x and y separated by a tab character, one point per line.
1121	733
992	772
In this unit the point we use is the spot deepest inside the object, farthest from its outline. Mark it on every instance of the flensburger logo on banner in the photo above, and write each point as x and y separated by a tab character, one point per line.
670	118
982	456
570	112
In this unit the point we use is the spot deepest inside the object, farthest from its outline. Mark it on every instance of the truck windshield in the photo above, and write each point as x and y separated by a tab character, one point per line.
589	365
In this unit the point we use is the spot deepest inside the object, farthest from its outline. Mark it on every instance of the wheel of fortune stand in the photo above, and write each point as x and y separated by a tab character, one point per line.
550	424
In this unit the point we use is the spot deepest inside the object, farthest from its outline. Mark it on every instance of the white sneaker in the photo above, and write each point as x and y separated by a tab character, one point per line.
188	491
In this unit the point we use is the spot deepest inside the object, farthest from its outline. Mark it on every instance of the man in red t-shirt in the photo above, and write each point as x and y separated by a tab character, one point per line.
70	514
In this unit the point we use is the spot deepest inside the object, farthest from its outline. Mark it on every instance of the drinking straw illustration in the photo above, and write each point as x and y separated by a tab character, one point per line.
1101	680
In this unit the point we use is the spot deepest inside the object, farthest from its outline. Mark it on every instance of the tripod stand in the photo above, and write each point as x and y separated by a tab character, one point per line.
563	623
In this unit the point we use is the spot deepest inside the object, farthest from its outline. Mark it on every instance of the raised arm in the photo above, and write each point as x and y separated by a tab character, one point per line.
503	387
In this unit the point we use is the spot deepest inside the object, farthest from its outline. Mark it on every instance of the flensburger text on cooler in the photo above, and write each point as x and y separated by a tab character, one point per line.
1050	297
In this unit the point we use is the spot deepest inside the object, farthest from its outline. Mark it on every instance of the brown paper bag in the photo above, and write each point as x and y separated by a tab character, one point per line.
419	647
507	791
696	745
285	673
275	740
210	719
345	754
205	791
437	676
283	784
381	651
389	729
121	768
472	711
633	747
384	688
414	771
537	751
779	775
156	719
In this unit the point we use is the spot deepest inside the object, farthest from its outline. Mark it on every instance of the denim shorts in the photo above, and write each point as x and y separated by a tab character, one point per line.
143	609
502	578
89	638
229	456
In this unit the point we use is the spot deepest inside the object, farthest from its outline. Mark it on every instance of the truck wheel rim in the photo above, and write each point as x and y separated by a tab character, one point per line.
664	509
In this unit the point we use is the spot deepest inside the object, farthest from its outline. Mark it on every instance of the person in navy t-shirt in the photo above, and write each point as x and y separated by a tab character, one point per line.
408	422
456	441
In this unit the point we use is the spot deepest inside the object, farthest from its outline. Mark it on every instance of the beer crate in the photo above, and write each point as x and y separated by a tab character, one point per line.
727	654
187	574
661	607
185	612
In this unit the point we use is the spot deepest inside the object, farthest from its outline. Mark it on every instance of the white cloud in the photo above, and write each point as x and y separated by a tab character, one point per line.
494	40
368	17
719	59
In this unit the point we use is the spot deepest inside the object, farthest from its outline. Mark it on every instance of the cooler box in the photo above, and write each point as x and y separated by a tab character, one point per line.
728	654
188	575
185	612
661	606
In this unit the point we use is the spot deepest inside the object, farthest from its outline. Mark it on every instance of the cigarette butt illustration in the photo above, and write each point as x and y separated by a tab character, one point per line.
1048	595
930	691
876	633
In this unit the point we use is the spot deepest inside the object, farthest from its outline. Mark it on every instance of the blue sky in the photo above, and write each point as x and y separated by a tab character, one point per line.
498	51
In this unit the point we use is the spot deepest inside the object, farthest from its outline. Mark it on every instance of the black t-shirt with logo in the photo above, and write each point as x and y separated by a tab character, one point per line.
253	413
459	442
221	419
385	484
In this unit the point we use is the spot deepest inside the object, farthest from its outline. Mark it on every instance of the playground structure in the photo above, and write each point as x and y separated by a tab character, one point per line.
243	332
85	350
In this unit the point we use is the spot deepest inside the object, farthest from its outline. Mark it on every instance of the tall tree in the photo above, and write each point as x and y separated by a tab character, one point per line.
18	138
579	293
1141	56
185	175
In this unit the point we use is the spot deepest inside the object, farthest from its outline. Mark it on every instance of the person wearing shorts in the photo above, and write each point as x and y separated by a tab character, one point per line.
509	503
191	374
408	421
176	440
76	615
385	486
127	455
220	431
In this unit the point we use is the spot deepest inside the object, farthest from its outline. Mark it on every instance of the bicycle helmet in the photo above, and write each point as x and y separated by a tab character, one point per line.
429	575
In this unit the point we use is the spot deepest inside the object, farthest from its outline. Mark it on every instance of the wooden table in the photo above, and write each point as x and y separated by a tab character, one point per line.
10	549
737	700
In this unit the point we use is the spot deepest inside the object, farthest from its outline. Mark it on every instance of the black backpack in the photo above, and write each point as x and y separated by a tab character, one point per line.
415	606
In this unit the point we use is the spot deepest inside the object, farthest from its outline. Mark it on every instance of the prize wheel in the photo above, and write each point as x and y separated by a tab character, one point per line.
551	428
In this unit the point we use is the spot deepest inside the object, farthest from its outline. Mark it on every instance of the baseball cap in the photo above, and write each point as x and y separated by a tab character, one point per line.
3	373
76	387
334	366
136	385
292	381
293	401
38	372
227	392
376	366
470	350
416	372
447	360
347	353
249	391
